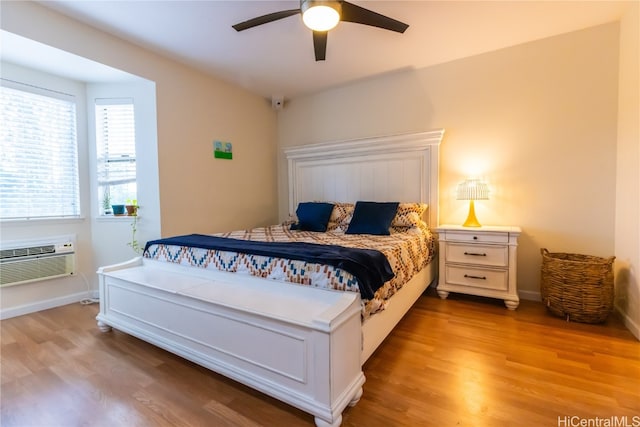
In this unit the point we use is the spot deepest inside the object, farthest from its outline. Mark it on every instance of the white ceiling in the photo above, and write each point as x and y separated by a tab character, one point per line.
278	59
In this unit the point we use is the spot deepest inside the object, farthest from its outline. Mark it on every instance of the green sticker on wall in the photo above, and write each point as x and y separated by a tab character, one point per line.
222	150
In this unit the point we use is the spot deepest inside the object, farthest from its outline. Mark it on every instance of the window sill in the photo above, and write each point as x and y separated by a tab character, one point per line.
116	218
41	221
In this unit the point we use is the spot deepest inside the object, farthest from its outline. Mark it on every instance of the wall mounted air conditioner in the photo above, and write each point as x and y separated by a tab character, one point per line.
24	263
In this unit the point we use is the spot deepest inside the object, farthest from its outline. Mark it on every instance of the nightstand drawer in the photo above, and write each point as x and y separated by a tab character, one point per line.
479	237
497	256
478	278
479	261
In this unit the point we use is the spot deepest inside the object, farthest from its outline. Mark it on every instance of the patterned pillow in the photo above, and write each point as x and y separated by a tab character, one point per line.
409	215
340	216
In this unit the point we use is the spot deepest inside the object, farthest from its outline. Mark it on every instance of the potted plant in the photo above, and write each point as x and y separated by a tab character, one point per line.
132	207
106	202
118	210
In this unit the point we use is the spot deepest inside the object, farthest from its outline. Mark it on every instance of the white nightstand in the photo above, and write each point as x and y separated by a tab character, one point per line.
479	261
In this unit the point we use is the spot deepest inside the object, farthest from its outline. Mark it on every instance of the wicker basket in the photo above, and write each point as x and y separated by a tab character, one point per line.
578	287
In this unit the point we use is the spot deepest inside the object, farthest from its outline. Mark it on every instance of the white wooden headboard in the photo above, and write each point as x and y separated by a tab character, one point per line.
402	168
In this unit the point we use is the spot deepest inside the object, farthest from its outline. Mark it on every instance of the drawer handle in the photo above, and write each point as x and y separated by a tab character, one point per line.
474	254
468	276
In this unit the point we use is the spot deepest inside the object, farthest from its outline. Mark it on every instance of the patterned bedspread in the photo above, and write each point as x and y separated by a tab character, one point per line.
407	252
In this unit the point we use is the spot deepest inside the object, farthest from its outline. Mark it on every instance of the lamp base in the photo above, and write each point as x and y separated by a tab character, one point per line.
471	221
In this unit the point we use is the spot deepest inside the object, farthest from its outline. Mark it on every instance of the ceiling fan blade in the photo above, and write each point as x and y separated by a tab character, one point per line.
320	44
360	15
265	19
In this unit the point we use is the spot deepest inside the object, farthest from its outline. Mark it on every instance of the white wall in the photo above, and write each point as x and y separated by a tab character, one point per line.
28	297
99	240
197	193
627	227
111	235
537	121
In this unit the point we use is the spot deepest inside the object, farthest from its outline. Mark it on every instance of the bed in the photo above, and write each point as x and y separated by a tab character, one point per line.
318	339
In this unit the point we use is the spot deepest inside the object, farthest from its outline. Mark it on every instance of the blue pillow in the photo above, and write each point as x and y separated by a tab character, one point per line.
313	216
372	218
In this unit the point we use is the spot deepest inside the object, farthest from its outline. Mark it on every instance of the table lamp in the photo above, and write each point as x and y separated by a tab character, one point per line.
472	189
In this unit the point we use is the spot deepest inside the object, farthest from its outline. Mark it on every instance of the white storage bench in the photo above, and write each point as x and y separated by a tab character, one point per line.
298	344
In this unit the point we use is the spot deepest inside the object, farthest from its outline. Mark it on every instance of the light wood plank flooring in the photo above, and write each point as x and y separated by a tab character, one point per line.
463	361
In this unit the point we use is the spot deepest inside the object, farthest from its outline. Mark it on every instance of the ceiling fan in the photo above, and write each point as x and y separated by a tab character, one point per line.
321	16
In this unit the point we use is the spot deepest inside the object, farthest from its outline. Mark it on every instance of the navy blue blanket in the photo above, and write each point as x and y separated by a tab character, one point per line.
370	267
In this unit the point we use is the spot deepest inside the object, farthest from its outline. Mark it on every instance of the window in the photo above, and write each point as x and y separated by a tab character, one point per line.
39	155
116	151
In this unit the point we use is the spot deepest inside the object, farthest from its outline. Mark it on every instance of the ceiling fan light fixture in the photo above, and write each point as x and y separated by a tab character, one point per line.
320	15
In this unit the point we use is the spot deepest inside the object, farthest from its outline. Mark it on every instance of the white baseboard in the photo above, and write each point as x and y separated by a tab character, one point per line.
45	304
633	327
530	295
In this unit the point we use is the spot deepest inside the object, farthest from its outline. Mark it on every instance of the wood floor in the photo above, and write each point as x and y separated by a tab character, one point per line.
459	362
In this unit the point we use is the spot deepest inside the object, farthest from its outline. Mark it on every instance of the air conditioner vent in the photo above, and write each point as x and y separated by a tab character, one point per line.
32	263
22	252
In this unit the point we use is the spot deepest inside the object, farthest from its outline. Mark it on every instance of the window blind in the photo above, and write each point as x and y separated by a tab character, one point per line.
116	150
39	156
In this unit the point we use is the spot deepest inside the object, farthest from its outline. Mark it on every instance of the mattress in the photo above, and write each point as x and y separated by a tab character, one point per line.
408	252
